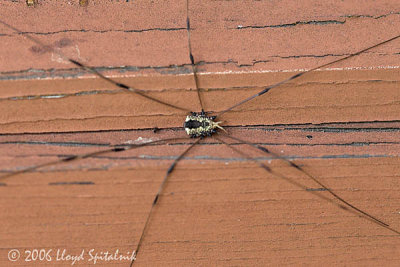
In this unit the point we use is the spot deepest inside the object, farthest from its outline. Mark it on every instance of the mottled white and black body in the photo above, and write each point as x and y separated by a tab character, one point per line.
199	125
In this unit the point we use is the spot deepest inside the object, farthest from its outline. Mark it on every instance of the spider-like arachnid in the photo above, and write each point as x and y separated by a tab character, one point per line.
225	204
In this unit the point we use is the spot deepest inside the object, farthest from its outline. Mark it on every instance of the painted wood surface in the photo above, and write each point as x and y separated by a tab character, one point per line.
340	123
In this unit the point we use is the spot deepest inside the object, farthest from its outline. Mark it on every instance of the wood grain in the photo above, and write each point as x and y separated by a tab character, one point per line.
340	123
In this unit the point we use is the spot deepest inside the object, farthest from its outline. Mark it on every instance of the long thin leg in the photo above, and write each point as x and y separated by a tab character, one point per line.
116	148
353	209
266	89
123	86
160	190
194	68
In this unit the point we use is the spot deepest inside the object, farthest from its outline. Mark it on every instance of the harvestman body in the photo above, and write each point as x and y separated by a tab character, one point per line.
199	125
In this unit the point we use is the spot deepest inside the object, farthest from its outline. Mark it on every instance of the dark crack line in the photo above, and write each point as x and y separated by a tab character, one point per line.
311	22
314	22
230	61
322	130
312	56
97	31
73	183
370	16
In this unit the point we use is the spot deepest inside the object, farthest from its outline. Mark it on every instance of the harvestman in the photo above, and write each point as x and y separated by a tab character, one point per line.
200	125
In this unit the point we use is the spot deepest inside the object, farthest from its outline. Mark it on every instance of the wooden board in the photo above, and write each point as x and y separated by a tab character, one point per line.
340	123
